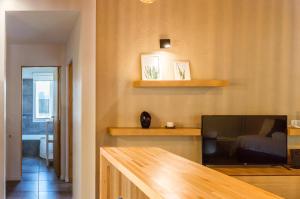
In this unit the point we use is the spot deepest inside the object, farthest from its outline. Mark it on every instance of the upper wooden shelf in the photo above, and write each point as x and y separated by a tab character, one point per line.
179	83
154	132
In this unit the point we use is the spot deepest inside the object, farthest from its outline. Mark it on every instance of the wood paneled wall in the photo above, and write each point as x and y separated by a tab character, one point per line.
255	44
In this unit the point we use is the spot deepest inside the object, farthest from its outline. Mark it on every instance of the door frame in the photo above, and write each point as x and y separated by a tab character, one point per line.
70	121
58	118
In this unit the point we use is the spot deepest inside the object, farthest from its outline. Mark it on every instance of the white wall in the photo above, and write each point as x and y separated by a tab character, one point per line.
84	76
80	50
17	56
2	101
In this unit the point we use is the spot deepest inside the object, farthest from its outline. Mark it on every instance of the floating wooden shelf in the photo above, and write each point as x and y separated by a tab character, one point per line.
136	131
154	132
294	146
293	131
179	83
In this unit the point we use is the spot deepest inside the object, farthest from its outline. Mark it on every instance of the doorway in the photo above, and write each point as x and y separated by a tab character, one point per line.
40	113
40	116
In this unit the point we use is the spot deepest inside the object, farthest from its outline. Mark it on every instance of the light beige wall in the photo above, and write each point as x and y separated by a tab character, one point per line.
72	54
252	43
81	48
2	102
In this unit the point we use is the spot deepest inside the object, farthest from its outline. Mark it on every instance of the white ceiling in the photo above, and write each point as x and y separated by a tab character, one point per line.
39	26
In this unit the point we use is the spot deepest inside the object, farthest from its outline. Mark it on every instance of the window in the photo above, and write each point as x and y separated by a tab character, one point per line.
42	96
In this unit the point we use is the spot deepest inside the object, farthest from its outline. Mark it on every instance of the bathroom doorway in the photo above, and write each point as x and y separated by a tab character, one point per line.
40	117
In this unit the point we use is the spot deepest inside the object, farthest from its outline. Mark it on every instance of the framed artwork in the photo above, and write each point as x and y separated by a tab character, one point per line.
150	67
182	70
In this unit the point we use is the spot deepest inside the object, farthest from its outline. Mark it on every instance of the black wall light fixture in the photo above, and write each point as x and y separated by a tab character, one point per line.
165	43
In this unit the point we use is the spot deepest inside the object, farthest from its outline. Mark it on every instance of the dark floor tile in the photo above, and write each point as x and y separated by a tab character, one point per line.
30	168
48	176
21	186
37	178
46	168
30	177
22	195
56	195
45	186
43	162
30	161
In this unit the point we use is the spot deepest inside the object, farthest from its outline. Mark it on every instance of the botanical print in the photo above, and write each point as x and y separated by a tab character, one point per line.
182	70
150	67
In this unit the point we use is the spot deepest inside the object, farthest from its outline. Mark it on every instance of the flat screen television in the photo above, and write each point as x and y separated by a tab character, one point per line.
244	139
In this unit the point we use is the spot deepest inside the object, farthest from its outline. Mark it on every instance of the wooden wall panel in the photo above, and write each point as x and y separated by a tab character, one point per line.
253	43
187	147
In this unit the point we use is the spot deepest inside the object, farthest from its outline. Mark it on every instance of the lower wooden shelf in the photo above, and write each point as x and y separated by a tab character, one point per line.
293	131
154	132
293	146
136	131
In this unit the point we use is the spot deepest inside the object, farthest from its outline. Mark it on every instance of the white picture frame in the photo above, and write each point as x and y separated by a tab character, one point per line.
150	67
182	70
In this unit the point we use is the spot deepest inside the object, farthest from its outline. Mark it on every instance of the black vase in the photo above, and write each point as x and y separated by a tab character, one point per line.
145	119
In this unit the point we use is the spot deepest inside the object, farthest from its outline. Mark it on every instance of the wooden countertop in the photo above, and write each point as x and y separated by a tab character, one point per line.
160	174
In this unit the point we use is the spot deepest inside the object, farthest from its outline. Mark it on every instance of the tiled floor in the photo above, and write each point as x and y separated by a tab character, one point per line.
38	182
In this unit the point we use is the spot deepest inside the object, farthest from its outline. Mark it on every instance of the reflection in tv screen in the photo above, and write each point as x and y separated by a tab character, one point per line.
244	139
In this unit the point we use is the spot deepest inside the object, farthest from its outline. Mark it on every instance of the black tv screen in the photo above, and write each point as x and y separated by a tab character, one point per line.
244	139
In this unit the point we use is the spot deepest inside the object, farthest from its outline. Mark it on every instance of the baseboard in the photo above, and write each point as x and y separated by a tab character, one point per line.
13	179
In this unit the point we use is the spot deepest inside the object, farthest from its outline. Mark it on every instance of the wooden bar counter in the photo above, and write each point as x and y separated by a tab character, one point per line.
138	173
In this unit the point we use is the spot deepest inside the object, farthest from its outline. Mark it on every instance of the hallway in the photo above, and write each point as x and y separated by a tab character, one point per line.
38	182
